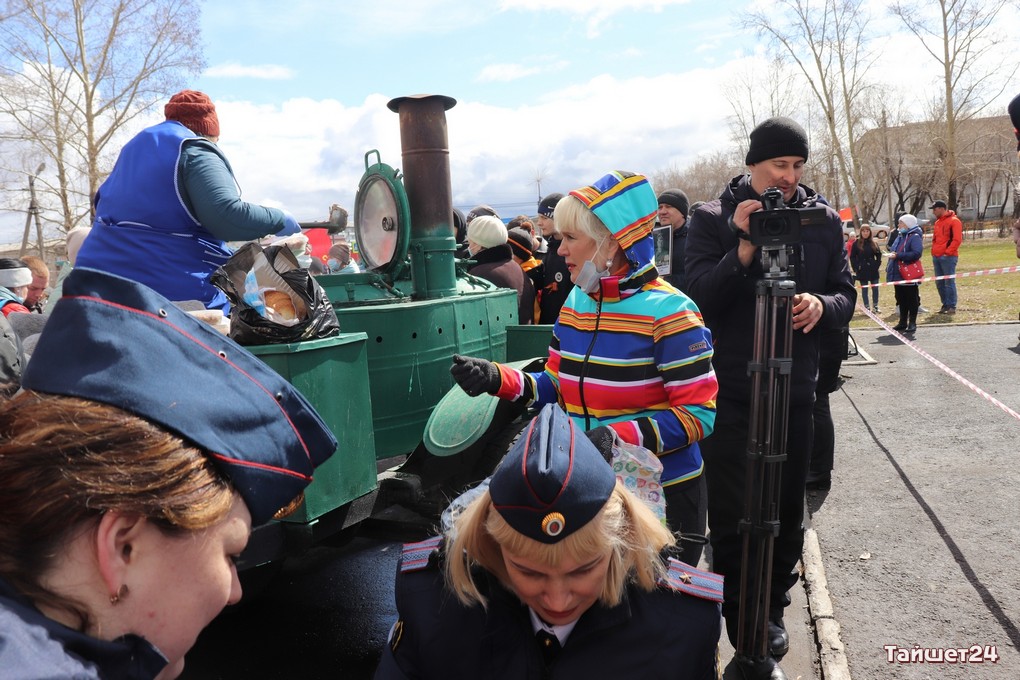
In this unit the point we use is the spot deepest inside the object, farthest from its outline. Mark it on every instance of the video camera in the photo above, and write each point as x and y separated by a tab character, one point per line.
776	225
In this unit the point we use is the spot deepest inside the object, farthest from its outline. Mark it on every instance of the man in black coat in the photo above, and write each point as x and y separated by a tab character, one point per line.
722	268
673	209
557	277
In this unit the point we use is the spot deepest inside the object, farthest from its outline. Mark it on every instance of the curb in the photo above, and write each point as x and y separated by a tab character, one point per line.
831	652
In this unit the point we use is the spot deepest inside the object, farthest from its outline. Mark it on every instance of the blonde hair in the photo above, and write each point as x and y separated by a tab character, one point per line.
625	527
36	266
572	210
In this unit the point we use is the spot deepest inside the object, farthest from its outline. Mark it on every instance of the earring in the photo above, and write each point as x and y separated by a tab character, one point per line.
121	592
609	263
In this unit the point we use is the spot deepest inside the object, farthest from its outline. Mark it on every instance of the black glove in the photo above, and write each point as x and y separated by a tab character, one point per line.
603	438
475	376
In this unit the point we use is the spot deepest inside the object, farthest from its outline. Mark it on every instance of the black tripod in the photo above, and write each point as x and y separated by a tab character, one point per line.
769	368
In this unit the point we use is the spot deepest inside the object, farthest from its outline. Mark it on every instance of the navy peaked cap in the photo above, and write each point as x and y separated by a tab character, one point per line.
117	342
553	481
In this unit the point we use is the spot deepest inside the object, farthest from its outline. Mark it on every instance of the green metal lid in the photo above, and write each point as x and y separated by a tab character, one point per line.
458	421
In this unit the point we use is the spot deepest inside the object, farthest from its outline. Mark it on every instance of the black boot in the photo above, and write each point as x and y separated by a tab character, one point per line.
912	321
745	668
902	325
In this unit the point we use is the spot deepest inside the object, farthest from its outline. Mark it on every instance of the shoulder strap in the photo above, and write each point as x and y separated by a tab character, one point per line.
684	578
416	556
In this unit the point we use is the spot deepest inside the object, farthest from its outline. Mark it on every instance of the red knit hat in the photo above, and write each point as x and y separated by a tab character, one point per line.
195	111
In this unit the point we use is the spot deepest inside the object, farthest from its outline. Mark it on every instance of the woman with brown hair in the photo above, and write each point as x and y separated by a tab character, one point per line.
865	260
140	452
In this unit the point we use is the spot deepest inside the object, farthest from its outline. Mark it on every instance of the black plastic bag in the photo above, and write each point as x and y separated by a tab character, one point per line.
248	326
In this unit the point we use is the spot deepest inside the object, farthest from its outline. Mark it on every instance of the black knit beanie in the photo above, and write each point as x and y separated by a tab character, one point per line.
548	204
675	198
777	137
1014	117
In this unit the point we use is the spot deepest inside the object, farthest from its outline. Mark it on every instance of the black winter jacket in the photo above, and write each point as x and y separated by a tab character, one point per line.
865	261
725	291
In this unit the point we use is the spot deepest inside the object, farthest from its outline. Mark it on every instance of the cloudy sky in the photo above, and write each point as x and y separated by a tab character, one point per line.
551	94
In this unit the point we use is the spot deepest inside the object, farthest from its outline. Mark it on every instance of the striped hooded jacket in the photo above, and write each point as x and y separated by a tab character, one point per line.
634	355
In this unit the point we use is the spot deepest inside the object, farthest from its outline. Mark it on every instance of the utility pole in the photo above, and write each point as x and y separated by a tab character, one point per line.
888	167
33	212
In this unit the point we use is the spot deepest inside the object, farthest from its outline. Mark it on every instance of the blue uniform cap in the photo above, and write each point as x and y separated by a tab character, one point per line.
553	481
118	342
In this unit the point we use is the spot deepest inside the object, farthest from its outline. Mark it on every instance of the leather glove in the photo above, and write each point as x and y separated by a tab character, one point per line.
603	438
475	376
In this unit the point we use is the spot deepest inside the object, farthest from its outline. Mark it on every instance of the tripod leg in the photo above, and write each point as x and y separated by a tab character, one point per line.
769	368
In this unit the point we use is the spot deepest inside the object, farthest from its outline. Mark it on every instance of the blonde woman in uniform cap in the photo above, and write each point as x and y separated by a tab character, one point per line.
140	452
555	571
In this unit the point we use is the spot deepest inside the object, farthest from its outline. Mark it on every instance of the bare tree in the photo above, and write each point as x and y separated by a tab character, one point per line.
75	72
961	36
755	96
827	43
704	179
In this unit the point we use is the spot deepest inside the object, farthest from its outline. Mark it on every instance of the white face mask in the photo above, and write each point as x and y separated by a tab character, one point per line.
588	278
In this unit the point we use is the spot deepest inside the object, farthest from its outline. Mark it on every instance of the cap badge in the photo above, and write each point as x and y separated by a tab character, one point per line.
553	524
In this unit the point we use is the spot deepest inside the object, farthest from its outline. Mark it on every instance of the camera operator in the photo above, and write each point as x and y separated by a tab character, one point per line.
723	267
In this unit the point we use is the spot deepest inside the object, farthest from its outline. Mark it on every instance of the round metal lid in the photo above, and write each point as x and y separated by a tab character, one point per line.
382	217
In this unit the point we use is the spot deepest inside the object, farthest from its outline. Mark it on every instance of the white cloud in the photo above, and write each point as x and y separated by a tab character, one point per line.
306	154
261	71
596	12
504	73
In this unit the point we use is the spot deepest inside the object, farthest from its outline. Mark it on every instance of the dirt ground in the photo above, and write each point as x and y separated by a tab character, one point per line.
920	533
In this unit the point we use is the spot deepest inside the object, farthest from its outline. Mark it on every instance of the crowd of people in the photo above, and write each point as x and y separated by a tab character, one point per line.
155	467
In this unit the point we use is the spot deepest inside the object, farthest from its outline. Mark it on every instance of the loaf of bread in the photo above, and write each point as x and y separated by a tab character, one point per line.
281	304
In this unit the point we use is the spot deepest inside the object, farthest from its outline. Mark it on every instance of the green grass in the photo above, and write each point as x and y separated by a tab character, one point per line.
985	298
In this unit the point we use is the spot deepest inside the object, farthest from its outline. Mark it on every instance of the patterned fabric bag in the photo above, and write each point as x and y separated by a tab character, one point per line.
640	470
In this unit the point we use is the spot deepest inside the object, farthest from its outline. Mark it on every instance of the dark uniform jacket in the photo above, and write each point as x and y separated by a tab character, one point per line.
497	265
33	647
725	291
557	283
661	635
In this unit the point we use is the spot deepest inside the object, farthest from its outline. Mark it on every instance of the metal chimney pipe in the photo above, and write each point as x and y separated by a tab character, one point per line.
426	169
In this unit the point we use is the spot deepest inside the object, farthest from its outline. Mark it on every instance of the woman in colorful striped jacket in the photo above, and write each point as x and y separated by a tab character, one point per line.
630	359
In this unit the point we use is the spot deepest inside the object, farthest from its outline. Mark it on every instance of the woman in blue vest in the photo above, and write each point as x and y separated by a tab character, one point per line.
164	214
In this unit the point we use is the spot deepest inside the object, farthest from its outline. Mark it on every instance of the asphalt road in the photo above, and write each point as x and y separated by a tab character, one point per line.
919	536
920	533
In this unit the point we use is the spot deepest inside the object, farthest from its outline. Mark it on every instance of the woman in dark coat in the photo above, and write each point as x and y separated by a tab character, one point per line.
487	246
865	260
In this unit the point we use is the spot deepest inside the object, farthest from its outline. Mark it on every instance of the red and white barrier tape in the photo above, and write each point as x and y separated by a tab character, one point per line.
948	371
984	272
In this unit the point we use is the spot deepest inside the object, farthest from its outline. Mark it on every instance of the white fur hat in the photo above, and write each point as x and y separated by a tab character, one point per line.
487	231
908	220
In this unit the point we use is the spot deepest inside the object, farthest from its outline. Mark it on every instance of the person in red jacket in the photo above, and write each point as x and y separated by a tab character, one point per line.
947	235
15	278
